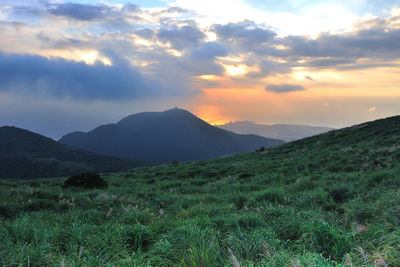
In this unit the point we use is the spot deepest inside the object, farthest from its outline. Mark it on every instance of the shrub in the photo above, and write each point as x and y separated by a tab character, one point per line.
187	245
245	176
275	195
34	184
340	194
239	202
38	205
6	213
138	237
331	242
288	228
151	181
87	180
45	195
378	178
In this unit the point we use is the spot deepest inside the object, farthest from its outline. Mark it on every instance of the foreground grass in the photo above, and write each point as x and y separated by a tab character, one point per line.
329	200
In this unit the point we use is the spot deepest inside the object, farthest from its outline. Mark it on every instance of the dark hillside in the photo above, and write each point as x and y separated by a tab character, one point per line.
24	154
160	137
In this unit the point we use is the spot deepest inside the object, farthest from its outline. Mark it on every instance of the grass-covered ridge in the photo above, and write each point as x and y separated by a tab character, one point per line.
28	155
327	200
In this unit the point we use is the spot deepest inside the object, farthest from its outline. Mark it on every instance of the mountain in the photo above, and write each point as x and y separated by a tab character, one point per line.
286	132
160	137
24	154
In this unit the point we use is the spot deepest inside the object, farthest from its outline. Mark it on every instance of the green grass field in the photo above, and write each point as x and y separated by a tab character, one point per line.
328	200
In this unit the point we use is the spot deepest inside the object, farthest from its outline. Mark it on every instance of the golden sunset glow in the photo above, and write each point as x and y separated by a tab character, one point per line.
210	77
211	114
329	63
90	57
235	70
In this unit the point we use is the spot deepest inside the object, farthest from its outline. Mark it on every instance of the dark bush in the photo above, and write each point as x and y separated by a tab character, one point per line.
272	195
38	205
363	213
250	221
340	194
44	195
34	184
138	237
288	228
377	178
6	213
87	180
151	181
245	176
239	202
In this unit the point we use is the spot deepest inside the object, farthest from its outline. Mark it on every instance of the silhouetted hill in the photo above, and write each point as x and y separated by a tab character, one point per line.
286	132
24	154
172	135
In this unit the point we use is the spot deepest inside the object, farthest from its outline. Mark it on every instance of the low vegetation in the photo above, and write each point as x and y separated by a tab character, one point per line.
328	200
86	180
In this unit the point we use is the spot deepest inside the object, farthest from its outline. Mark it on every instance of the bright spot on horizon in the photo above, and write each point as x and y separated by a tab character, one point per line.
235	70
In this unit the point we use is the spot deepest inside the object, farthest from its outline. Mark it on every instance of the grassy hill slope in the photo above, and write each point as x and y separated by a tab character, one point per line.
24	154
328	200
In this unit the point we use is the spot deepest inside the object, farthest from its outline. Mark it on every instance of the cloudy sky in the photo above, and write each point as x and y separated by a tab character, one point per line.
67	66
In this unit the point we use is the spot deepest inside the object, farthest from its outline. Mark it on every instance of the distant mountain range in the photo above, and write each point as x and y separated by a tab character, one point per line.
286	132
28	155
162	137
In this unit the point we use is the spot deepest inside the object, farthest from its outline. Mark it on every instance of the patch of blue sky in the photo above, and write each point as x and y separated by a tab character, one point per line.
359	7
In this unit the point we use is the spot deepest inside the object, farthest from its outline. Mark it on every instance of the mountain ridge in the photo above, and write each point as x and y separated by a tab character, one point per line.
162	137
25	154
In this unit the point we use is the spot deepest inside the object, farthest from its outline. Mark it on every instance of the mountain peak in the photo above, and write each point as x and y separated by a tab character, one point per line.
173	134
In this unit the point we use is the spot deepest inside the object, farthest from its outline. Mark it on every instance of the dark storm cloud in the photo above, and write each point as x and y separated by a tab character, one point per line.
17	25
208	51
268	67
28	10
284	88
109	17
80	11
50	42
329	62
67	79
245	33
201	60
372	43
176	10
145	33
130	8
183	37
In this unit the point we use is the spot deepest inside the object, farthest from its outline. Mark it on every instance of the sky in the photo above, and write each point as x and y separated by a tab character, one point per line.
72	66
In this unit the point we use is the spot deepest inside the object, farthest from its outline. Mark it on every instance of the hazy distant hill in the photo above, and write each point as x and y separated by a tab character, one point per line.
24	154
286	132
172	135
